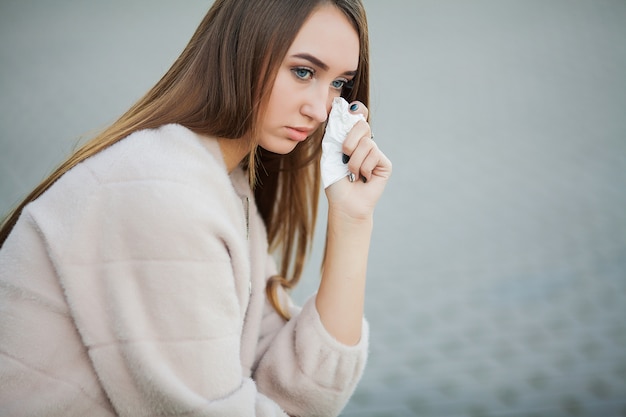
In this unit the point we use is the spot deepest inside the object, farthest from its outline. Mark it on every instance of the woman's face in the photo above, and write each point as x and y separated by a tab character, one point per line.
322	59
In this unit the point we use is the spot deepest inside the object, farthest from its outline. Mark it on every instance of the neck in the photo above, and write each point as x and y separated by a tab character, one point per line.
233	151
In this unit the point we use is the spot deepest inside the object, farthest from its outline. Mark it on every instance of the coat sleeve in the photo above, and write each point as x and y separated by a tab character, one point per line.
148	271
302	367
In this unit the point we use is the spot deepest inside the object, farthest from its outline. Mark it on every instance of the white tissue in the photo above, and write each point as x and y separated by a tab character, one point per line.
340	121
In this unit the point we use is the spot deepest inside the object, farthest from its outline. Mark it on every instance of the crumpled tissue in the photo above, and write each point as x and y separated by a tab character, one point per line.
339	123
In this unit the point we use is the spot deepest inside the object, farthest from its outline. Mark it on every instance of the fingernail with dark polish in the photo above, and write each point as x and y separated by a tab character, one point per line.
354	107
345	158
363	179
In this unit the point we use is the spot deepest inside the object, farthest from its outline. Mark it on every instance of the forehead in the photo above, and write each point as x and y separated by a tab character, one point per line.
329	36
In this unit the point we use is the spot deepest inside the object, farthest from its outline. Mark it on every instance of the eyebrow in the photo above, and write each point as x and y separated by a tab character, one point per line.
316	61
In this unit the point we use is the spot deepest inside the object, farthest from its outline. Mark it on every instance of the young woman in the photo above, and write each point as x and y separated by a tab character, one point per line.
137	279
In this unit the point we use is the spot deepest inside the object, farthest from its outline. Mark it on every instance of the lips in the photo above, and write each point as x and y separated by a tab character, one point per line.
298	133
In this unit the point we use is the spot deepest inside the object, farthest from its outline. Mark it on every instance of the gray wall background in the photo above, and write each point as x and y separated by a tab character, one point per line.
497	282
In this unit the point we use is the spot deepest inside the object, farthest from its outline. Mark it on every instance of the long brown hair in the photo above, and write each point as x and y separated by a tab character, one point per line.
218	86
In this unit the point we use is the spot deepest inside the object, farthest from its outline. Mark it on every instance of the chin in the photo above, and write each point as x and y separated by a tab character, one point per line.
284	147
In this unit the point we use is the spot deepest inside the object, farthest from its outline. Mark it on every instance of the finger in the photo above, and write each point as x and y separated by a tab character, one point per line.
360	130
384	166
356	107
360	153
371	161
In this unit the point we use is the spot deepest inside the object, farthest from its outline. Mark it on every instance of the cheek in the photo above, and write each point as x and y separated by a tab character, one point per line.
282	90
333	95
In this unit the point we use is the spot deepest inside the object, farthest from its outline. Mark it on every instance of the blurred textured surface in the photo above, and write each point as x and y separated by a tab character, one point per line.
497	282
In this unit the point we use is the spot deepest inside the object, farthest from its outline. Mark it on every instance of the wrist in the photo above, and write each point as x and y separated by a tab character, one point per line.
340	218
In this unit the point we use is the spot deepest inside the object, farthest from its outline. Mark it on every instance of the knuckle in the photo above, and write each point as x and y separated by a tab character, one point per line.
360	126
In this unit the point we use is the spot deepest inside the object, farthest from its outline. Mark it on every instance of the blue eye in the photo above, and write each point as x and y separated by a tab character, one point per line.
303	73
338	84
341	84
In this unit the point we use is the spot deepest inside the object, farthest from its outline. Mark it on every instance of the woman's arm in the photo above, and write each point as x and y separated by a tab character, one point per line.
311	365
158	307
340	298
153	266
341	294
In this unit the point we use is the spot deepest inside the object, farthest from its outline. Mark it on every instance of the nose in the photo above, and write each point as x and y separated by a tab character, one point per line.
317	104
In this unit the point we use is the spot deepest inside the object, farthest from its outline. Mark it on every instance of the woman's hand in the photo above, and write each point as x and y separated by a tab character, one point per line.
341	296
371	169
